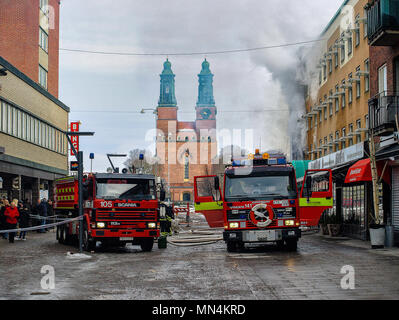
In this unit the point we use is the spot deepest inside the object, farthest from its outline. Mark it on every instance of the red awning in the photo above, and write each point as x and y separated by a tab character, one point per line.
360	171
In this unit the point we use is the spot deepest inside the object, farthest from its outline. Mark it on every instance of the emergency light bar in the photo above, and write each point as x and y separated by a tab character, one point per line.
260	159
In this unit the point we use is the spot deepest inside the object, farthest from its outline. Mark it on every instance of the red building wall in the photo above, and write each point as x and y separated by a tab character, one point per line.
19	39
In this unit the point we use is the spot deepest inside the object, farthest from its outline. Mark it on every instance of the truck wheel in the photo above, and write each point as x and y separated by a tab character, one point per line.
292	245
231	246
87	241
147	244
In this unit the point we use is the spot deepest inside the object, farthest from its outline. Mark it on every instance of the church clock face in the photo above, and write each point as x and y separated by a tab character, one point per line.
206	113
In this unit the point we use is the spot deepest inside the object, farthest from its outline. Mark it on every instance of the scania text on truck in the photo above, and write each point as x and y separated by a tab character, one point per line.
261	203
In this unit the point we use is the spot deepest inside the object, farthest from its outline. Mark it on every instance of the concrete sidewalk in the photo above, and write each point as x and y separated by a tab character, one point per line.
346	241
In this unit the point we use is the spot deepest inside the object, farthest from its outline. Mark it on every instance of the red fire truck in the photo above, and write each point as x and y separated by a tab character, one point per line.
118	209
261	202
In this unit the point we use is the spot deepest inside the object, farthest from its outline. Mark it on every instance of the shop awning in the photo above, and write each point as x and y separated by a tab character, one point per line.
360	171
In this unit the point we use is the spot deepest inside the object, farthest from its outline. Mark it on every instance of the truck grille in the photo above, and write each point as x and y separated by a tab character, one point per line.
132	218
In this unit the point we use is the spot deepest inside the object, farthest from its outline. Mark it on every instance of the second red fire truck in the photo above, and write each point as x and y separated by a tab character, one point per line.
118	209
261	201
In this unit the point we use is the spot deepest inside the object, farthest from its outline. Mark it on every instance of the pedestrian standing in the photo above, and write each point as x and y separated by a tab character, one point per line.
24	217
43	213
3	224
11	213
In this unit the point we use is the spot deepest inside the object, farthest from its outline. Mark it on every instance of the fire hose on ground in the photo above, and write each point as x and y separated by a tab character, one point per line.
195	238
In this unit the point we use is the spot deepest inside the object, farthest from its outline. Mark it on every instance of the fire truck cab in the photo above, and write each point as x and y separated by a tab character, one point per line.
118	209
261	202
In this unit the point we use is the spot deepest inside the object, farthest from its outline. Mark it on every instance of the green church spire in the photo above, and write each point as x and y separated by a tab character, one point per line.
205	88
167	92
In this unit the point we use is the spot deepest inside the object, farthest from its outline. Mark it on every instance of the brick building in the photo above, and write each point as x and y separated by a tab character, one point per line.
185	149
29	39
383	36
33	122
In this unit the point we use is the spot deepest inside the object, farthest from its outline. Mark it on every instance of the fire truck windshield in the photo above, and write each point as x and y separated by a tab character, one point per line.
260	186
133	189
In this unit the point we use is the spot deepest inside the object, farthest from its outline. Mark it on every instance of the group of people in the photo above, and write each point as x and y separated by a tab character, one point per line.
16	214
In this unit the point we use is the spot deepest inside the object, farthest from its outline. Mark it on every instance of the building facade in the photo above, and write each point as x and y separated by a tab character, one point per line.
33	122
337	113
185	149
383	36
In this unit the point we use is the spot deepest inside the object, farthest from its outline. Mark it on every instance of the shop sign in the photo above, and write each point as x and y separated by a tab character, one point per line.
339	158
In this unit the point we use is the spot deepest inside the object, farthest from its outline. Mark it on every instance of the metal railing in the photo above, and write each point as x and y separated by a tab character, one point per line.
383	110
382	15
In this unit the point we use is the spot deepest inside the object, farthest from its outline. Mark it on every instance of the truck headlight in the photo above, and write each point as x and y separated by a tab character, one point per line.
151	225
234	225
289	222
100	225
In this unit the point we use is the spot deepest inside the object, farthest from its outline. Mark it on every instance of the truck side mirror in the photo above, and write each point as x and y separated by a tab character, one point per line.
216	183
309	186
162	195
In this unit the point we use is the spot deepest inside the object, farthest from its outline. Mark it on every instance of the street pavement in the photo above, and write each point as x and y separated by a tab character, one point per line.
201	272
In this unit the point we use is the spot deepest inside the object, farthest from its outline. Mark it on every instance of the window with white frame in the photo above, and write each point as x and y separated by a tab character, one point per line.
366	77
43	39
43	77
350	90
358	84
20	124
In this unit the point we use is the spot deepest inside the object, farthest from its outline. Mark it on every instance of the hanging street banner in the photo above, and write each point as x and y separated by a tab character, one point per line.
75	139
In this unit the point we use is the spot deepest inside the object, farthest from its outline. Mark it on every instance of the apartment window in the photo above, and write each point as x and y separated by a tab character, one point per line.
329	59
382	80
350	44
337	138
343	95
366	77
43	39
336	99
43	77
331	144
350	131
325	107
330	104
321	112
358	126
324	71
342	43
358	85
343	145
336	57
321	149
366	119
350	90
44	5
365	23
357	31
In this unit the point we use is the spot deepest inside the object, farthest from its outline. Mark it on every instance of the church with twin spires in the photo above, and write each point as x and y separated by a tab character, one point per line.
185	149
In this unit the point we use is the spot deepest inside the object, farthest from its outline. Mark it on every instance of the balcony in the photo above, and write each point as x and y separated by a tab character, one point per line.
383	22
383	114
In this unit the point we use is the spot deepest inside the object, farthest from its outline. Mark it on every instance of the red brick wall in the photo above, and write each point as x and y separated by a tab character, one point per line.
19	39
54	44
378	57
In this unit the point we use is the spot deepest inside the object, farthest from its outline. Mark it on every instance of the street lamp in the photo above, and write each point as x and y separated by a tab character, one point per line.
79	158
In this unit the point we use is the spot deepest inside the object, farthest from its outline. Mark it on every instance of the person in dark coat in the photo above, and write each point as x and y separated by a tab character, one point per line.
24	218
11	213
43	213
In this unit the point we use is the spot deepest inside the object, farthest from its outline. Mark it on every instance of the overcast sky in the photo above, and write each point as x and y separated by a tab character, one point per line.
247	81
